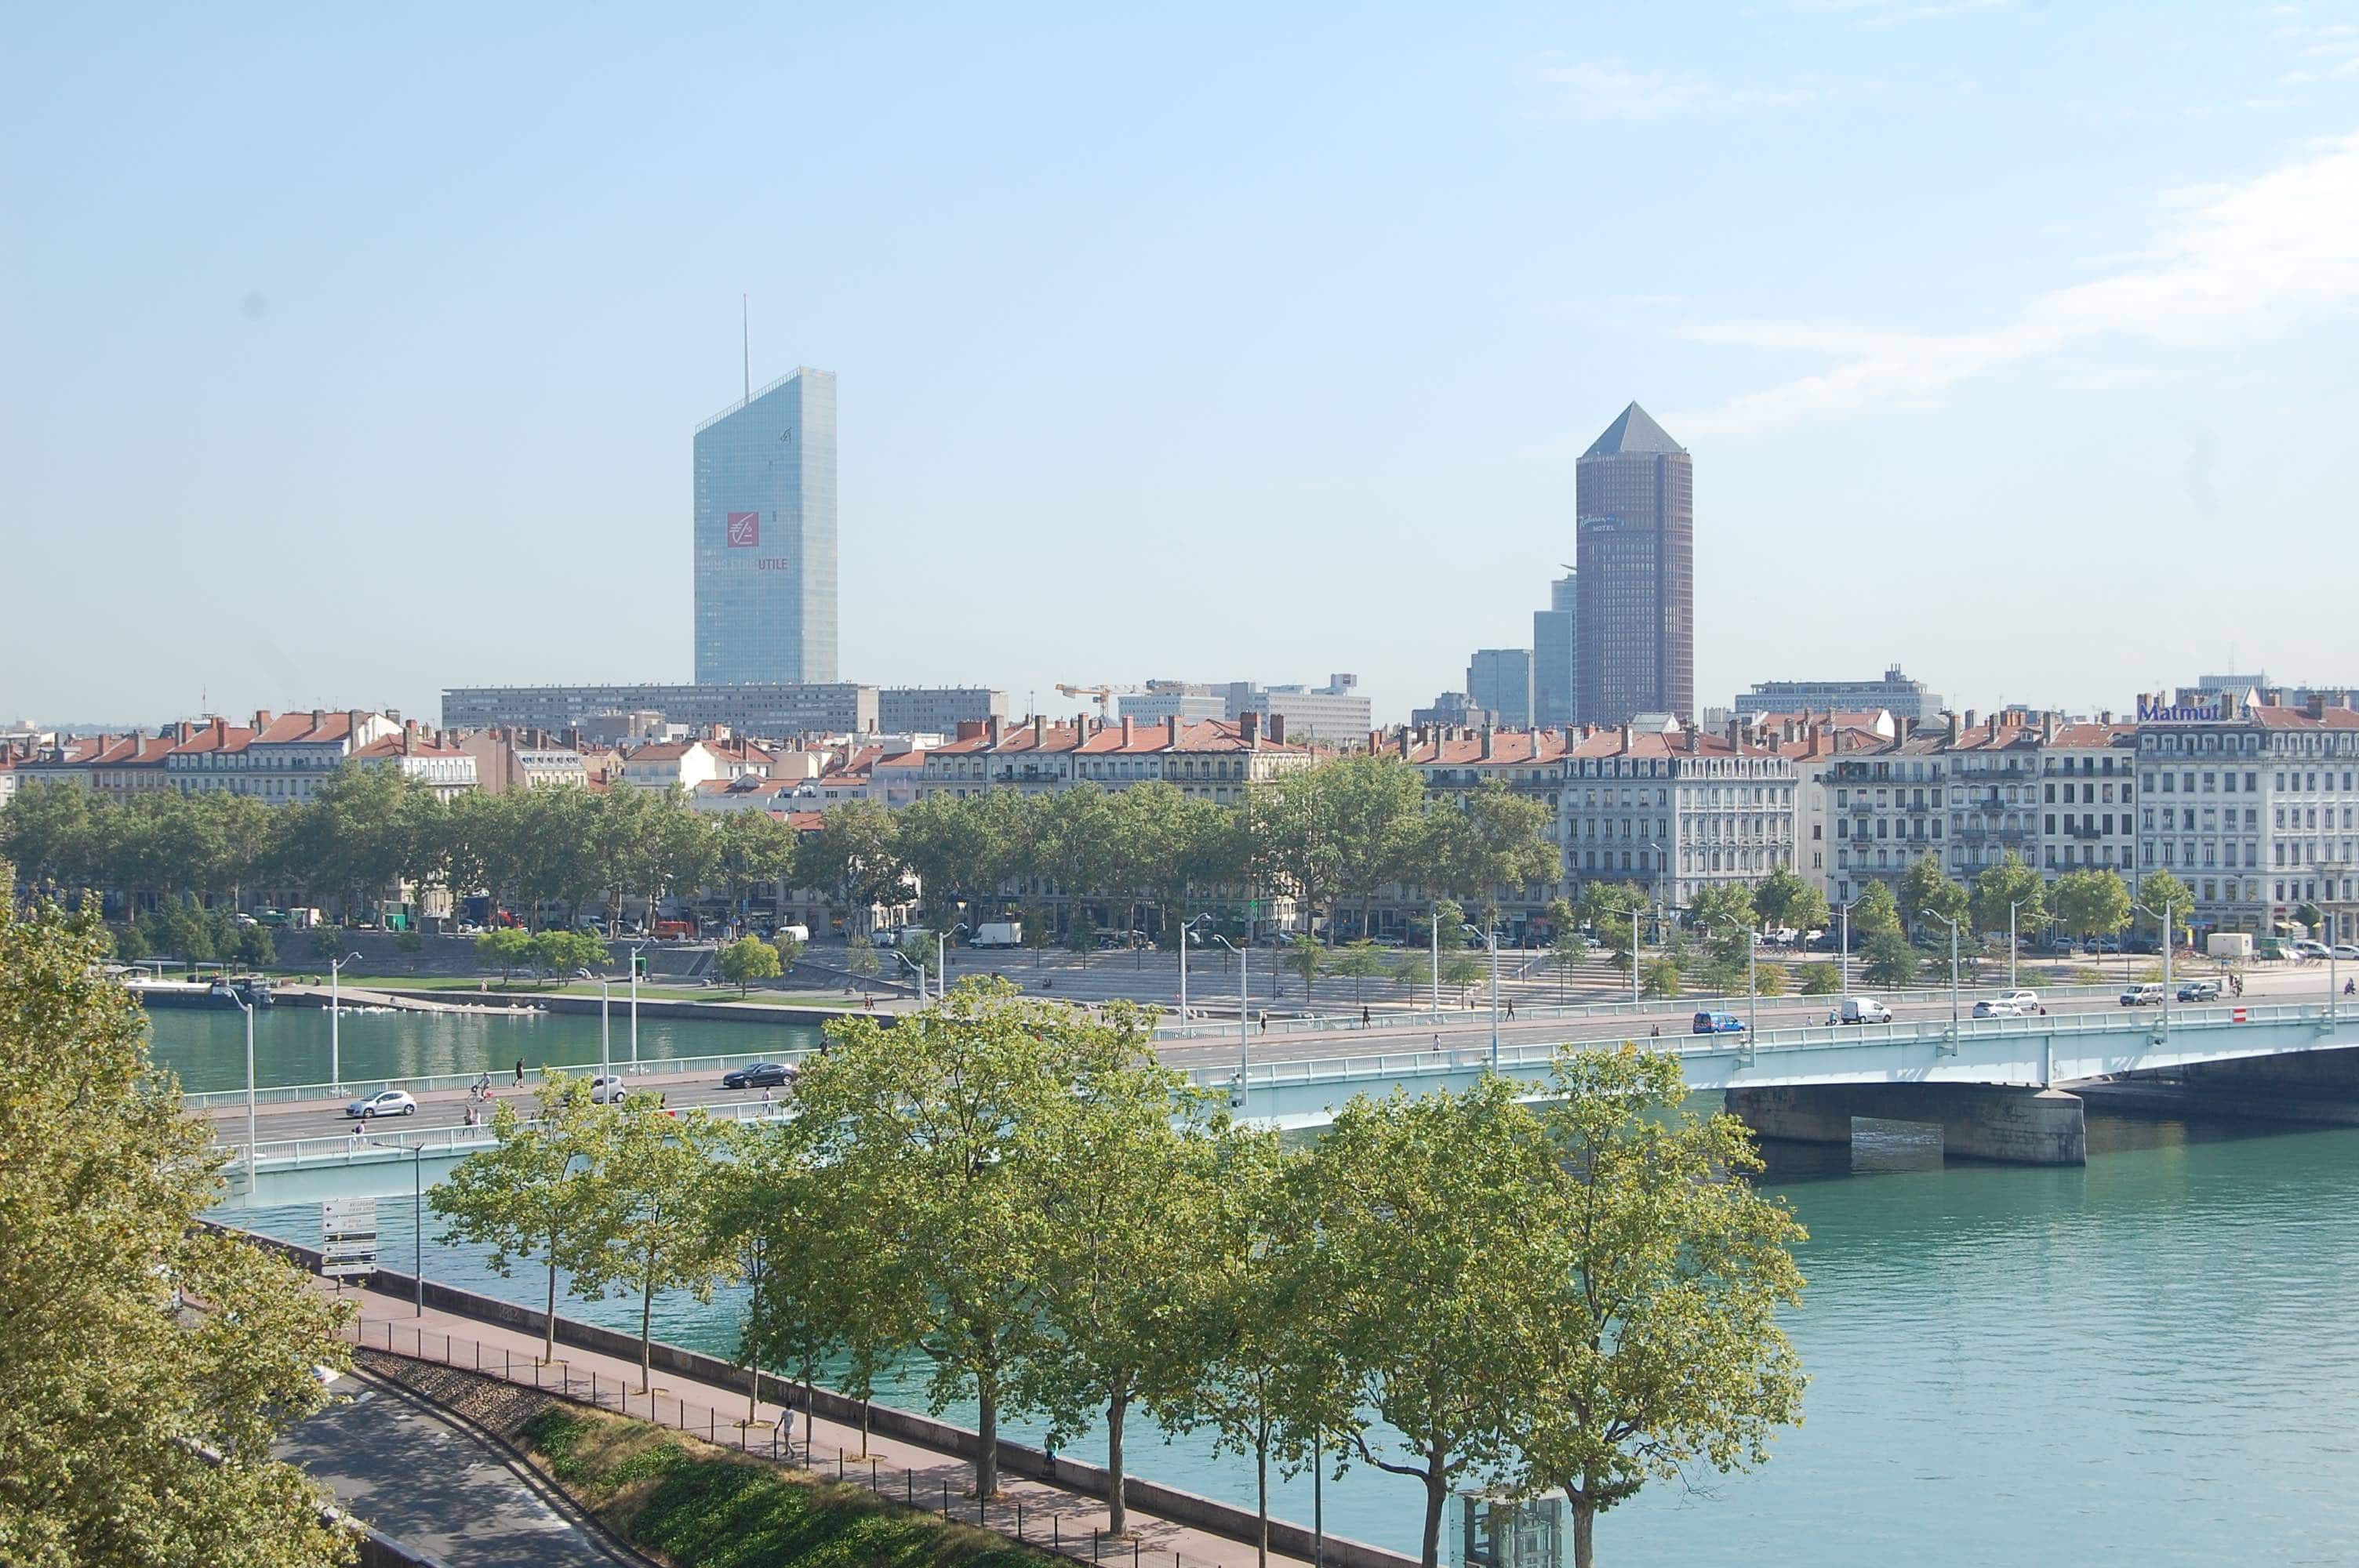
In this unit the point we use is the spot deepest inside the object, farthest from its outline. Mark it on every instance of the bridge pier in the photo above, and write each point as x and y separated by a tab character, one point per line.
2021	1126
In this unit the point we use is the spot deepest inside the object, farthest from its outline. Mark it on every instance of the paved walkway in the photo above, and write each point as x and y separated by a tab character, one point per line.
1044	1515
434	1486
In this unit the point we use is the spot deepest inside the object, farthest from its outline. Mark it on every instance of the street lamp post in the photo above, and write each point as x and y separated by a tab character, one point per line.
1244	1011
250	1117
1654	889
1844	963
2168	944
1751	976
1954	973
1187	934
606	1020
637	949
335	1012
1437	964
2011	952
416	1223
1491	940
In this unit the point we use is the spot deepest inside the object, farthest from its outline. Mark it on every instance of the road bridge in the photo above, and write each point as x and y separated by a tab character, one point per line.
1998	1088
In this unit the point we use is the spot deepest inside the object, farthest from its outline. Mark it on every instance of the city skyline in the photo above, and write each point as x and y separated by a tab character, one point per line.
382	426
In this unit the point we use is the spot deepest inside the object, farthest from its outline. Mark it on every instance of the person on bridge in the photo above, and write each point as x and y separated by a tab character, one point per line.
519	1072
1363	1015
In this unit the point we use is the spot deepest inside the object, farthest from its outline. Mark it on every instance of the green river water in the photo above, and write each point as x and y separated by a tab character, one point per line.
2146	1360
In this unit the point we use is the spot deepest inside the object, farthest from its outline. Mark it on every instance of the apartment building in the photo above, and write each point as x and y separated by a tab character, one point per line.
1677	812
1215	759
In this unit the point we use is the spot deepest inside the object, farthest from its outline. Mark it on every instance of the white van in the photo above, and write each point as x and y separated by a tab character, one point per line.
1864	1010
2150	994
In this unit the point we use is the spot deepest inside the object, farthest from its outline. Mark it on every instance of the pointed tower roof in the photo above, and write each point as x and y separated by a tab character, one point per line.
1633	431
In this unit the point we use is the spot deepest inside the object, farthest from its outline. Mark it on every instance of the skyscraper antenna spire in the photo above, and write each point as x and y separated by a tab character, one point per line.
746	326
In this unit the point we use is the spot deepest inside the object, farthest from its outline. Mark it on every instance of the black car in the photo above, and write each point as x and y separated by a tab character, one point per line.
760	1076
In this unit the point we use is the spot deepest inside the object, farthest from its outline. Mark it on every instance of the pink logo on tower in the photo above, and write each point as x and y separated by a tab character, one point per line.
745	529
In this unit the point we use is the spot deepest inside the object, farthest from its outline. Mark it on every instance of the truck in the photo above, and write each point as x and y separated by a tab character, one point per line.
2228	944
998	933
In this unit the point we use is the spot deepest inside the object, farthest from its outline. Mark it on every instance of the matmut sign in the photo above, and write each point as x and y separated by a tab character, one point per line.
2181	712
744	530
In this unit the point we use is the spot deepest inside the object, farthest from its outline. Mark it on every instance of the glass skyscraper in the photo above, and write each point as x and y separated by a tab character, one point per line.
765	536
1556	660
1634	635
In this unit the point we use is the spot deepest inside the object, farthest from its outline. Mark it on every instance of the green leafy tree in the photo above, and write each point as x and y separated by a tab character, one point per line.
1877	909
1418	1237
1782	898
561	953
652	1180
411	945
1888	959
855	858
1462	972
1652	1331
1772	980
509	947
151	1362
253	947
1307	959
1081	935
933	1130
859	956
2091	903
527	1195
1820	979
2010	886
1360	962
788	947
2312	918
747	959
1126	1179
2165	894
1661	978
1925	893
750	848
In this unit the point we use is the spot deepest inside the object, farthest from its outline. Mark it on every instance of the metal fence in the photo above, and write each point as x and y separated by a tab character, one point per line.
1072	1532
355	1088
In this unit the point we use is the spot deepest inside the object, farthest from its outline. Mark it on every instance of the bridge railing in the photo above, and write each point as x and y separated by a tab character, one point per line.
426	1082
1536	1056
381	1143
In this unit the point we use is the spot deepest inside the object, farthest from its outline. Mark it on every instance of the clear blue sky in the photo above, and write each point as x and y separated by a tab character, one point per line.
347	357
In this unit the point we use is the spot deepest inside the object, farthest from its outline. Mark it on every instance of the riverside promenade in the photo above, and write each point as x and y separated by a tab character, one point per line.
1050	1517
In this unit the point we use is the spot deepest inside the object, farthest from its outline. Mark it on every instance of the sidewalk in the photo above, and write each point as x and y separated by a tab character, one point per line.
1038	1513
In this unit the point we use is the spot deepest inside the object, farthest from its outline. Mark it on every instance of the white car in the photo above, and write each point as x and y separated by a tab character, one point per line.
2306	950
1997	1006
2344	951
384	1102
606	1087
2025	1002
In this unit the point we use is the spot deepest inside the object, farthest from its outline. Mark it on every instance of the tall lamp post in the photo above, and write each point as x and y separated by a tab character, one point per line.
1654	895
1844	972
606	1020
1491	940
2011	949
1245	1013
1752	975
250	1118
1954	973
637	949
417	1221
2169	940
335	1012
1187	934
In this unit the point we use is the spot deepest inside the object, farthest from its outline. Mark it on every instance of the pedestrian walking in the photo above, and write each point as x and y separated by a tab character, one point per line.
1363	1015
1511	1009
519	1072
765	1100
1265	1024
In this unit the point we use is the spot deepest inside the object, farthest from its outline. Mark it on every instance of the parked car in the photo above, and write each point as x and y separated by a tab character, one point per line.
1997	1006
2200	990
384	1102
1717	1024
2305	948
760	1076
2344	951
2025	1002
2150	994
1864	1010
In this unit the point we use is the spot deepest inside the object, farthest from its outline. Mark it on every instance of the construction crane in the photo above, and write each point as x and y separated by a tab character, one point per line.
1103	694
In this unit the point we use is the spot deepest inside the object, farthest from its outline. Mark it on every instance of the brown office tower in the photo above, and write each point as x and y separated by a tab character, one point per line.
1635	500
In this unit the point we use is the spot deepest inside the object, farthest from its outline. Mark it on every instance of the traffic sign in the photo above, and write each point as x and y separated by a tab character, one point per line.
347	1237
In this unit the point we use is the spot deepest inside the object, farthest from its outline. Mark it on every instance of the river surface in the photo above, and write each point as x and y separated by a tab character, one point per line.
2148	1360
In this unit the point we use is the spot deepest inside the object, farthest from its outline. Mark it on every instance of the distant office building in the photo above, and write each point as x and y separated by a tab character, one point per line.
764	536
1556	656
1635	499
1333	713
937	711
1896	693
1451	711
1500	680
768	709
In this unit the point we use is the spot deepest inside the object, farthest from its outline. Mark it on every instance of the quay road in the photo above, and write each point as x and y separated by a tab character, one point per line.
1216	1046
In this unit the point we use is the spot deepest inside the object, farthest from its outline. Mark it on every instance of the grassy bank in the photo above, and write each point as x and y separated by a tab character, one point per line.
695	1505
701	1507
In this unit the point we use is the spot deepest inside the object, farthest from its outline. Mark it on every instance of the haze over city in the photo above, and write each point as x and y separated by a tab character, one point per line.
354	358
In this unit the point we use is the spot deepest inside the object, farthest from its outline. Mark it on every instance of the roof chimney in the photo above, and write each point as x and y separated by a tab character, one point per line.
1625	739
1695	740
1277	728
261	720
2047	727
1736	733
1957	728
1970	717
1172	731
1129	731
1486	742
1249	729
1039	730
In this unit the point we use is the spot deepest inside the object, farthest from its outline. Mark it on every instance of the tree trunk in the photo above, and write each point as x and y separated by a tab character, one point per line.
1436	1494
647	1328
1585	1523
549	1325
1261	1496
1117	1504
986	1459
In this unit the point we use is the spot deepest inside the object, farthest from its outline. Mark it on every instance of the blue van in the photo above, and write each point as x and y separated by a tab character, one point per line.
1718	1023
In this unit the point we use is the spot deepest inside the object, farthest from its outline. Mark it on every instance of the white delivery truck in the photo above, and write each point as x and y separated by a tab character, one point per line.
998	933
2235	946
